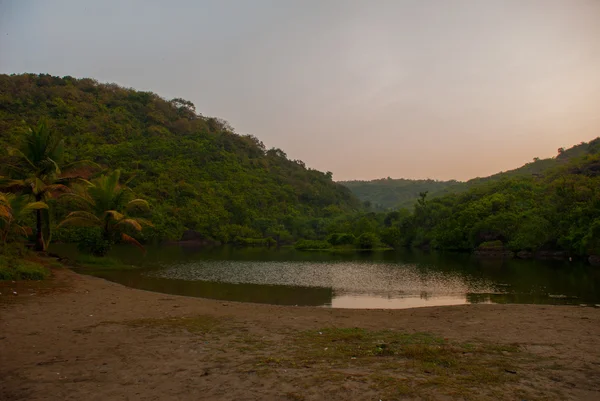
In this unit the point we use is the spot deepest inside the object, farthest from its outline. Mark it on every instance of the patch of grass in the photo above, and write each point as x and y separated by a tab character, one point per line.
431	362
348	343
18	269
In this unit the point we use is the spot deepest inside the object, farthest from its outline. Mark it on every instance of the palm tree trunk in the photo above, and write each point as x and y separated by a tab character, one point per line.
40	246
39	234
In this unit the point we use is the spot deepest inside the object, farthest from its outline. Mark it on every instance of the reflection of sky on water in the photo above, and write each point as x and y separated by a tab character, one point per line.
348	279
382	302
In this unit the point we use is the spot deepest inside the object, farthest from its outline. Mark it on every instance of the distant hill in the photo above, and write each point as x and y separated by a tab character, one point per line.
388	193
196	171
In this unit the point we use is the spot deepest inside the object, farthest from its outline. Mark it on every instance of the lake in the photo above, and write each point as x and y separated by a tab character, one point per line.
390	280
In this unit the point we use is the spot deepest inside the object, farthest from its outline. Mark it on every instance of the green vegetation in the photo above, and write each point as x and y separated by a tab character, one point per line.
312	245
196	175
387	193
106	205
194	171
18	269
13	212
36	169
556	211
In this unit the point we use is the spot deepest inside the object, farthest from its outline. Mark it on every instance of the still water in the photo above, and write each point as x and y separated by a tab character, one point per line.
389	280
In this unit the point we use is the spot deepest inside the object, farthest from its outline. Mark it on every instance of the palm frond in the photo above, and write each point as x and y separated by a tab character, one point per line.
114	214
144	222
5	211
132	223
84	215
80	163
11	185
18	153
57	188
76	221
35	206
81	198
56	167
133	241
141	203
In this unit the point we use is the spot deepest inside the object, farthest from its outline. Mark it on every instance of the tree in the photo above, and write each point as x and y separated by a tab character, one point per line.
367	241
106	205
35	170
422	201
13	210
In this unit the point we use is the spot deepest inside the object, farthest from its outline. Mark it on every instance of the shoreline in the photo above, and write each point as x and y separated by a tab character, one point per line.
76	325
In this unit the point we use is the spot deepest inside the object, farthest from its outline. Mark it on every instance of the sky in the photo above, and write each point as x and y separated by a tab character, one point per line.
441	89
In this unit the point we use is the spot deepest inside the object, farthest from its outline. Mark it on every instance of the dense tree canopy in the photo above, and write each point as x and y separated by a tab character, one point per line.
197	174
388	193
195	171
557	209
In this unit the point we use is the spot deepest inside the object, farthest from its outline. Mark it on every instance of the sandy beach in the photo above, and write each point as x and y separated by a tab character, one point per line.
79	337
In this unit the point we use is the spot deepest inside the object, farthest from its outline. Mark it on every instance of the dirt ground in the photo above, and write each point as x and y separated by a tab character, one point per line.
77	337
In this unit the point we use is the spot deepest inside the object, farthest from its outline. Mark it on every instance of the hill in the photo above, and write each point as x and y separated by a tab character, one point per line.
387	193
197	173
557	211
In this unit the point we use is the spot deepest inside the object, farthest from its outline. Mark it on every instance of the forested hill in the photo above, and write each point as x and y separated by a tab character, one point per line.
387	193
194	170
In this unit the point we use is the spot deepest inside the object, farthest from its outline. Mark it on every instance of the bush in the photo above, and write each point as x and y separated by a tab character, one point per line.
367	241
92	242
492	245
13	269
392	236
311	245
341	239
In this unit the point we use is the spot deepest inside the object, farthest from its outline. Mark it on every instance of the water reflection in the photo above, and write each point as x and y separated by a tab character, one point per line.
352	280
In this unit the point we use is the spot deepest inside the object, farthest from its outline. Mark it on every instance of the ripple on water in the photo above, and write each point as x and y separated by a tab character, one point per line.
349	277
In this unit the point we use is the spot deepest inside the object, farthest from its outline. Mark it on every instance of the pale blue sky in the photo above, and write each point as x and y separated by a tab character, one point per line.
366	89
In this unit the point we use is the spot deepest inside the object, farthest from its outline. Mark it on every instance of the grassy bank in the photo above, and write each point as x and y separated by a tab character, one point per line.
13	268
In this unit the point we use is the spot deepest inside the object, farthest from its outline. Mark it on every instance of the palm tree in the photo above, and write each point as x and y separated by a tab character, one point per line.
37	170
106	205
13	210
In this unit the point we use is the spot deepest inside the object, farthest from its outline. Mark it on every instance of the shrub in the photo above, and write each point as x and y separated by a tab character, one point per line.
367	241
13	269
92	242
308	244
492	245
341	239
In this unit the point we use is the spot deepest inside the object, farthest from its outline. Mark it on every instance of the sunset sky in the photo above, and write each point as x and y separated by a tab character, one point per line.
366	89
